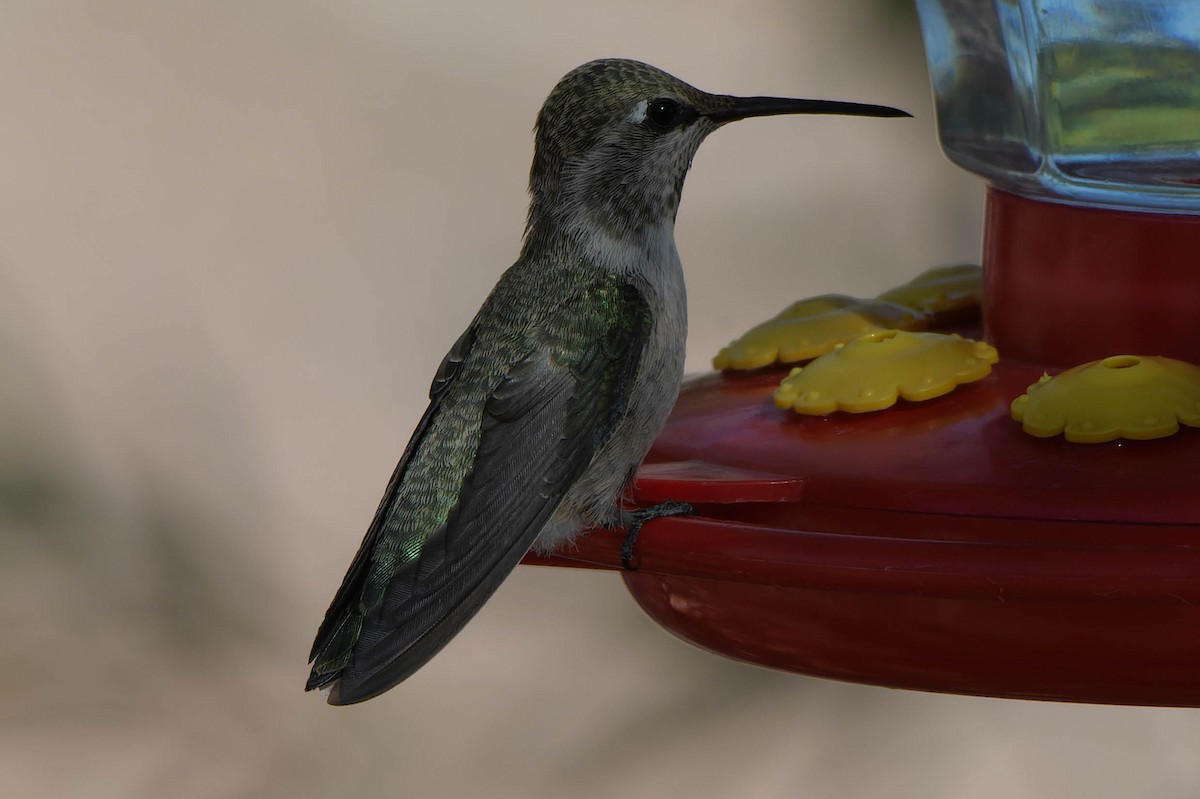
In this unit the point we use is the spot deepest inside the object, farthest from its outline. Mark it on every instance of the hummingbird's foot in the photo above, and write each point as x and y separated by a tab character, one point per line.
640	517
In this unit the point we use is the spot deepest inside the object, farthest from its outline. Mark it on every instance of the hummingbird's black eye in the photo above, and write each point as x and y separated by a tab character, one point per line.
663	113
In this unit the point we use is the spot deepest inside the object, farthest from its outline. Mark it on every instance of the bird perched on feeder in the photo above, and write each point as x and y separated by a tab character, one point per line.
544	408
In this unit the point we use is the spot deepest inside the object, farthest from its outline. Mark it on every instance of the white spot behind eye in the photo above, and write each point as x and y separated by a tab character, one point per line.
638	115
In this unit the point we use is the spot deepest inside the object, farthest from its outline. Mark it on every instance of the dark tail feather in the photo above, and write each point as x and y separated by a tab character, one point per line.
330	656
358	682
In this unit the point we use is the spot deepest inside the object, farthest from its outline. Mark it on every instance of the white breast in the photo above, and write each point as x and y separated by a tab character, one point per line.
656	267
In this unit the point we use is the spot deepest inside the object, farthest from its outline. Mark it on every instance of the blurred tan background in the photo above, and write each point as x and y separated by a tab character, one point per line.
236	238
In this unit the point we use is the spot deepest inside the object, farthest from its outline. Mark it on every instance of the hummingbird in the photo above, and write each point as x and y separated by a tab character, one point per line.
544	407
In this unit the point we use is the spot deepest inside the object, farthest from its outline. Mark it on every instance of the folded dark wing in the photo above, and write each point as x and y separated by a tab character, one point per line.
541	427
339	629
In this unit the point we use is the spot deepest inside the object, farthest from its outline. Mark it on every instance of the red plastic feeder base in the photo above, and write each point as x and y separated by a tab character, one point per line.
932	546
935	545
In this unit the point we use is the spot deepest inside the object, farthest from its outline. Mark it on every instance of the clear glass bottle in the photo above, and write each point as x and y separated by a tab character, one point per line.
1094	102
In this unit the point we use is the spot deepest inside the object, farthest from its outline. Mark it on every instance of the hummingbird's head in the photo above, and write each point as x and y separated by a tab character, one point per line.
615	138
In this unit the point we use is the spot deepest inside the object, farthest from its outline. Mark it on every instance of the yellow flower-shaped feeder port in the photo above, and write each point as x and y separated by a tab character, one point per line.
1124	396
941	290
872	372
812	327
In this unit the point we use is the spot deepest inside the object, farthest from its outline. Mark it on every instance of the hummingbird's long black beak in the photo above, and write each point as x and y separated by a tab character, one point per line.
736	108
